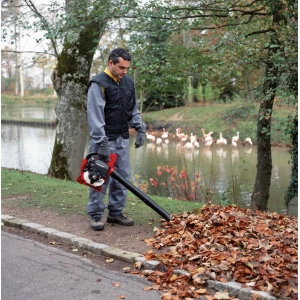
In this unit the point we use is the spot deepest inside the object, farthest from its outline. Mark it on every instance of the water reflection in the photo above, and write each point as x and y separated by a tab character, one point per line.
220	166
26	148
43	112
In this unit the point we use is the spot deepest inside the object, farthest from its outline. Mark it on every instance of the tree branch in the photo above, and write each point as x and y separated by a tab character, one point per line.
36	52
44	22
259	32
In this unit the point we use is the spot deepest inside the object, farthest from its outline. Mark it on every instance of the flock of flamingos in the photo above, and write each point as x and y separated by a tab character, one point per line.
191	141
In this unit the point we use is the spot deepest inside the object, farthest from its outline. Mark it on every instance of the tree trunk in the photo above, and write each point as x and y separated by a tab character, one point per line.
70	80
261	191
194	84
71	132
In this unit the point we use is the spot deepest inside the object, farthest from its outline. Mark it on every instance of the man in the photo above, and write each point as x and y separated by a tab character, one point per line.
111	108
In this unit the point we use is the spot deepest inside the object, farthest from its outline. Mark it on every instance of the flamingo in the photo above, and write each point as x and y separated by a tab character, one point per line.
208	142
192	138
188	145
207	136
235	138
233	142
248	141
158	140
196	144
179	133
221	140
150	137
184	138
165	134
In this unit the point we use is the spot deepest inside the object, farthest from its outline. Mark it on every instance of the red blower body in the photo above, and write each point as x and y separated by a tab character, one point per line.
94	172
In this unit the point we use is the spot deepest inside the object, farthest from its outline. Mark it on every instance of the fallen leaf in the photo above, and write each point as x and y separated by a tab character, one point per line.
109	260
257	249
221	295
138	265
115	284
126	269
269	286
147	288
121	297
166	296
155	286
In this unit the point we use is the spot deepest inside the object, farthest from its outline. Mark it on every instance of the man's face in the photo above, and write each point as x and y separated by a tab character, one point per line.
120	68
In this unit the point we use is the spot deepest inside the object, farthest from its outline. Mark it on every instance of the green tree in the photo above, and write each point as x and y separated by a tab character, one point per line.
257	34
158	83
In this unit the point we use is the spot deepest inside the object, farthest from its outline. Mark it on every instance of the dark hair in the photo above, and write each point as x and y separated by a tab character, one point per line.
119	52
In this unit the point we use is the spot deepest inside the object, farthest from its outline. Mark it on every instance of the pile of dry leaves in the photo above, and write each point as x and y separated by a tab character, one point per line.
257	249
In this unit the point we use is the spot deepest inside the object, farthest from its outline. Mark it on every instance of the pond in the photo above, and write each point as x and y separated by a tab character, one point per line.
226	172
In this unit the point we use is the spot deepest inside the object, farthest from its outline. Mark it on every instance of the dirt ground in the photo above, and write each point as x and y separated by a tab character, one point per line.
128	238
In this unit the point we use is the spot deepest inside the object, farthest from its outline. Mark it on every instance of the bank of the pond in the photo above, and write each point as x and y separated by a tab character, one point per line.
154	129
227	119
43	123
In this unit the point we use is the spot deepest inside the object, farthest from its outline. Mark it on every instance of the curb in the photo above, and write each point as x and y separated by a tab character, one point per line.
234	288
70	239
49	123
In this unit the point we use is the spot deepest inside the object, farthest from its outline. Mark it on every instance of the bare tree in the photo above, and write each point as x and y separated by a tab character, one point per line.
12	12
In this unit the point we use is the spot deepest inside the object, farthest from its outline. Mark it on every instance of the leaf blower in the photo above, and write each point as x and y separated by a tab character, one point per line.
94	172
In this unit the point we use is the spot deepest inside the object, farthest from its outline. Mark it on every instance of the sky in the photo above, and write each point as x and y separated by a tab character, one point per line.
28	46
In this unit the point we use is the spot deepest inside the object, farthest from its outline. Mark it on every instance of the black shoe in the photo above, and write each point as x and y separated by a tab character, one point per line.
120	219
97	223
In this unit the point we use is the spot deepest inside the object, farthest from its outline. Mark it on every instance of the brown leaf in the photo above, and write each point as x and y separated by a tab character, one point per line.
126	269
222	214
166	296
221	295
255	296
155	286
115	284
138	265
256	249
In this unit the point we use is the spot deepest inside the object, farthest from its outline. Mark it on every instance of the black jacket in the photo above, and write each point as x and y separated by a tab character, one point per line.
120	101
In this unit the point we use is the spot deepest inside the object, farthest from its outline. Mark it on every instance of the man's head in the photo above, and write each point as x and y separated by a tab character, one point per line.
119	62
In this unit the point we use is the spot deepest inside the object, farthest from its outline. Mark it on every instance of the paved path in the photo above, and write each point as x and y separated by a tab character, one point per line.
35	271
